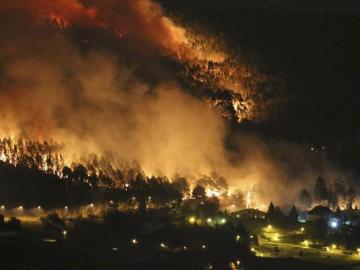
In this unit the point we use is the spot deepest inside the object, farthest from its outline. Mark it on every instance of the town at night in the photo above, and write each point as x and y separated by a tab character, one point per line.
182	134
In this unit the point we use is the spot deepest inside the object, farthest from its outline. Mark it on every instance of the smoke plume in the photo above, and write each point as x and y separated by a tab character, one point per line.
142	20
92	101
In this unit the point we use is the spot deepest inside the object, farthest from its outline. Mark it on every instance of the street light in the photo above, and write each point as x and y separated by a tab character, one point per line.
276	237
192	220
333	224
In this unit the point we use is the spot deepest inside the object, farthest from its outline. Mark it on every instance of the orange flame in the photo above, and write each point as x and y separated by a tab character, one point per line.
141	19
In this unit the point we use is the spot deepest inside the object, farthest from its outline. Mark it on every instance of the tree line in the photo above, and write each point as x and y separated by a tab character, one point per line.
339	193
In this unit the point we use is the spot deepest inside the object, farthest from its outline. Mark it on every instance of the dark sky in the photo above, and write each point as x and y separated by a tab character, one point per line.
314	46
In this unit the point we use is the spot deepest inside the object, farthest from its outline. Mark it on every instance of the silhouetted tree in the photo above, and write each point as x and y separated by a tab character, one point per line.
67	173
181	184
271	210
332	197
305	199
293	214
2	222
140	190
208	208
320	192
80	174
199	192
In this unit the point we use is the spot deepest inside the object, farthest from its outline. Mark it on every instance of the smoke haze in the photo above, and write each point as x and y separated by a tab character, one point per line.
93	102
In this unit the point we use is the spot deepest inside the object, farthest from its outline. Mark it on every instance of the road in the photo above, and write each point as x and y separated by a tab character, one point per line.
267	247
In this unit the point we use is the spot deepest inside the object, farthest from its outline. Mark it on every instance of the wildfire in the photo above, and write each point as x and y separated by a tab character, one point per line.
249	195
205	60
144	19
212	193
58	20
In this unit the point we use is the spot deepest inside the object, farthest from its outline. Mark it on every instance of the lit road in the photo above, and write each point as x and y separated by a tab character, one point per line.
334	256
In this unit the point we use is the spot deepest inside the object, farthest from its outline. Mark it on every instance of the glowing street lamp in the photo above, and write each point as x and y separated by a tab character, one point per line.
91	205
223	221
64	234
192	220
333	246
66	208
209	220
269	227
2	207
134	241
302	229
333	224
276	237
237	237
162	245
39	207
20	207
203	246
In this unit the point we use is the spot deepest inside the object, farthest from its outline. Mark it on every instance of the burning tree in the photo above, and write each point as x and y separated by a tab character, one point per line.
214	185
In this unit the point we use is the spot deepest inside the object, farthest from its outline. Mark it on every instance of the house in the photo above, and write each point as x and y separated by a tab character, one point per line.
319	212
249	213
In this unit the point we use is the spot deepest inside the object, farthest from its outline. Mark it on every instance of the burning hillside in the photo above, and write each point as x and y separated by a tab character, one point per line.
124	79
70	94
201	62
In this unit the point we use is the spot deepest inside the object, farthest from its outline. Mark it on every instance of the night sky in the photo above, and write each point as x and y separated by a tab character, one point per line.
314	49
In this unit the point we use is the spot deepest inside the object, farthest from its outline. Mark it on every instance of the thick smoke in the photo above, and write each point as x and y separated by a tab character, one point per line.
93	102
278	170
141	20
